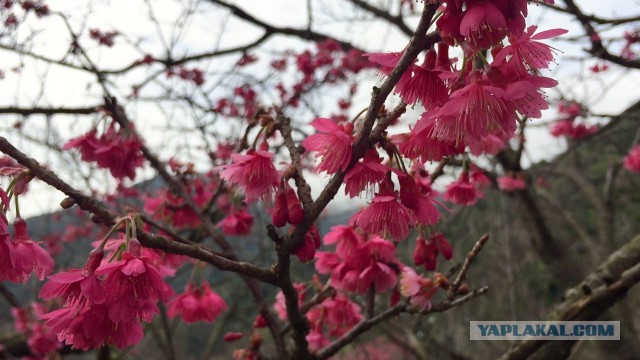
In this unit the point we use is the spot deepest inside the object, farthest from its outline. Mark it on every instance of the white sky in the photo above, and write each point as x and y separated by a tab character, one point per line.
212	28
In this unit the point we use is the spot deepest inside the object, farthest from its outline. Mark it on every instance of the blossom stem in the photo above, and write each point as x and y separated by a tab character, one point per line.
359	114
255	141
17	206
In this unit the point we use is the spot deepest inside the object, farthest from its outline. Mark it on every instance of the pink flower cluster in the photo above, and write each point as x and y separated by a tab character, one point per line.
330	319
118	150
358	264
632	160
40	340
20	256
197	303
105	303
569	125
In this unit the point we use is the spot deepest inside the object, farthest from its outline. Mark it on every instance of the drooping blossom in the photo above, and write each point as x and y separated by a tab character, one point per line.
462	191
572	129
239	222
332	318
332	143
419	199
385	216
490	145
479	178
346	237
483	24
7	256
372	264
511	183
426	84
364	175
632	160
419	144
133	286
311	242
40	341
417	288
254	173
77	288
197	303
473	112
92	328
426	250
29	257
172	208
120	150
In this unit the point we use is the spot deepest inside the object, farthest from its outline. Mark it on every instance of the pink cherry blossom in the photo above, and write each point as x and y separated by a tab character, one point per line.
419	144
572	129
525	53
417	288
78	288
239	222
483	24
253	172
511	183
29	256
7	256
426	84
133	286
365	175
462	191
92	328
347	238
371	264
332	143
197	303
311	242
632	160
474	112
120	150
385	216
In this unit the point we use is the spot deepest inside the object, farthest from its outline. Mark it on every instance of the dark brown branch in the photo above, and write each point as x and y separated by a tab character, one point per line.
382	14
462	275
50	111
597	47
594	18
120	116
397	309
105	217
305	34
418	43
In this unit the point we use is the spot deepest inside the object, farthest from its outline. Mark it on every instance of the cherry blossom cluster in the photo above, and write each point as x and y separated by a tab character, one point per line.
117	149
569	124
104	303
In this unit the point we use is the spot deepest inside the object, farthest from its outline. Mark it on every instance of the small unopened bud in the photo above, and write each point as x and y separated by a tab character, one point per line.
67	203
464	289
232	336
